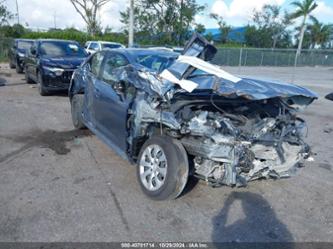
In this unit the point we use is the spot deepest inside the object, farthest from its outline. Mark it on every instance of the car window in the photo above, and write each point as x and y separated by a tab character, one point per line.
111	45
111	62
96	62
155	62
61	48
94	46
24	44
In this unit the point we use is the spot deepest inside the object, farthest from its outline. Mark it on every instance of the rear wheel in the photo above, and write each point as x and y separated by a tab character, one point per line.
76	110
163	168
27	78
41	88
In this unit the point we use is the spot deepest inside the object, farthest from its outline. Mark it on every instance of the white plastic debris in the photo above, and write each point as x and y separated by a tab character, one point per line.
185	84
207	67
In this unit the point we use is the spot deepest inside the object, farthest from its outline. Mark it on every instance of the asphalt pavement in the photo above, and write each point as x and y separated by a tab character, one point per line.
59	184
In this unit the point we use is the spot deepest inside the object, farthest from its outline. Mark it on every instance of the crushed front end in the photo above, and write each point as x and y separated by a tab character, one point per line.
236	142
234	130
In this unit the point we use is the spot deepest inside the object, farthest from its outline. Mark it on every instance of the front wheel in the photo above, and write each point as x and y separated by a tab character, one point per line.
11	65
41	88
76	111
163	168
18	67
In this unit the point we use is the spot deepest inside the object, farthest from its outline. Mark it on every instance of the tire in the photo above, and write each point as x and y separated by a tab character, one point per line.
76	110
19	69
11	65
27	78
164	179
41	88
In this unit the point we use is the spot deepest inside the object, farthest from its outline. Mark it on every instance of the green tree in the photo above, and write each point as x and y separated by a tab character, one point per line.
88	10
200	28
209	36
223	27
303	10
319	33
269	27
167	20
5	14
15	31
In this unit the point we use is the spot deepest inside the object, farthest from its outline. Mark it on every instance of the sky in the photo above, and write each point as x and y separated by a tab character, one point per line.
45	14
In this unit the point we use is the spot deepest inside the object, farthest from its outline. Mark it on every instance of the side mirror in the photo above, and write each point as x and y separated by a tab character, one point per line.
14	46
33	51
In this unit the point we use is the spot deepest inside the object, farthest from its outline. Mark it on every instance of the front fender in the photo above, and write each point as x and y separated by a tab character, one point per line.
77	84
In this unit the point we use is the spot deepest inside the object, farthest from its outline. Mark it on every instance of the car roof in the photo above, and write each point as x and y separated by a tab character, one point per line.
56	40
108	42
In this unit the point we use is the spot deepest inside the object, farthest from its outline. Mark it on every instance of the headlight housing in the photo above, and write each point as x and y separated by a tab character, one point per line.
55	70
20	54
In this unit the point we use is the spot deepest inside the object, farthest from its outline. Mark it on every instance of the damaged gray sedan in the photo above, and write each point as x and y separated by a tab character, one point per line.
178	115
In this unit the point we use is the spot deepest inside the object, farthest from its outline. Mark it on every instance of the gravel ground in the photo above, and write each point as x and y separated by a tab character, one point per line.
58	184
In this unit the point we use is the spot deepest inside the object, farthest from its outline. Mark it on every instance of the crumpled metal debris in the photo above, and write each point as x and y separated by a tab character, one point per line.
235	129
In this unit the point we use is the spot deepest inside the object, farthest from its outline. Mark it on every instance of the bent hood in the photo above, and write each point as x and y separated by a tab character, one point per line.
192	72
253	89
63	62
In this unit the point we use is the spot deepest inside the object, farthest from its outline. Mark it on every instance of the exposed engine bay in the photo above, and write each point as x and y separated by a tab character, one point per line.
234	142
238	131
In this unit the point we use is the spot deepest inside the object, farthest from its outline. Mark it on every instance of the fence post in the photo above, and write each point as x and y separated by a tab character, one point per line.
262	58
296	58
240	57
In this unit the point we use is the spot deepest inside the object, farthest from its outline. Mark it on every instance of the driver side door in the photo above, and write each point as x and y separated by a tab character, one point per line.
112	105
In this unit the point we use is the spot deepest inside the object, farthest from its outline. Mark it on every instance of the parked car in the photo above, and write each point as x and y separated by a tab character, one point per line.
94	46
17	53
51	63
179	115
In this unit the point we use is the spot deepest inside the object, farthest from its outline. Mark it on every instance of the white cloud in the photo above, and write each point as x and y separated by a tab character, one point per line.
323	12
239	12
41	13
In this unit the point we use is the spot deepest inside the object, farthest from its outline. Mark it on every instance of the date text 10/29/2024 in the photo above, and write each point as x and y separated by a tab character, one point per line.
164	245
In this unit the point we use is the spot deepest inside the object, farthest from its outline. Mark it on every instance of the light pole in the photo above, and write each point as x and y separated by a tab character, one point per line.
131	25
18	15
55	19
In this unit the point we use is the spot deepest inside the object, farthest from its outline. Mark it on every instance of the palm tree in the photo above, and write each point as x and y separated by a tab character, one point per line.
303	9
320	33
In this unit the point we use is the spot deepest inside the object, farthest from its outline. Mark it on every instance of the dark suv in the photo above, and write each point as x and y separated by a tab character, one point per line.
17	53
51	63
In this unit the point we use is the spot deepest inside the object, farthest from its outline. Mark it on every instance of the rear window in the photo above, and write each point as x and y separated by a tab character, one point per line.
108	45
60	49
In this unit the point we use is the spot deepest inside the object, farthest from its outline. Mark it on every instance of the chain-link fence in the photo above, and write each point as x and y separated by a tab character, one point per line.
246	56
272	57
